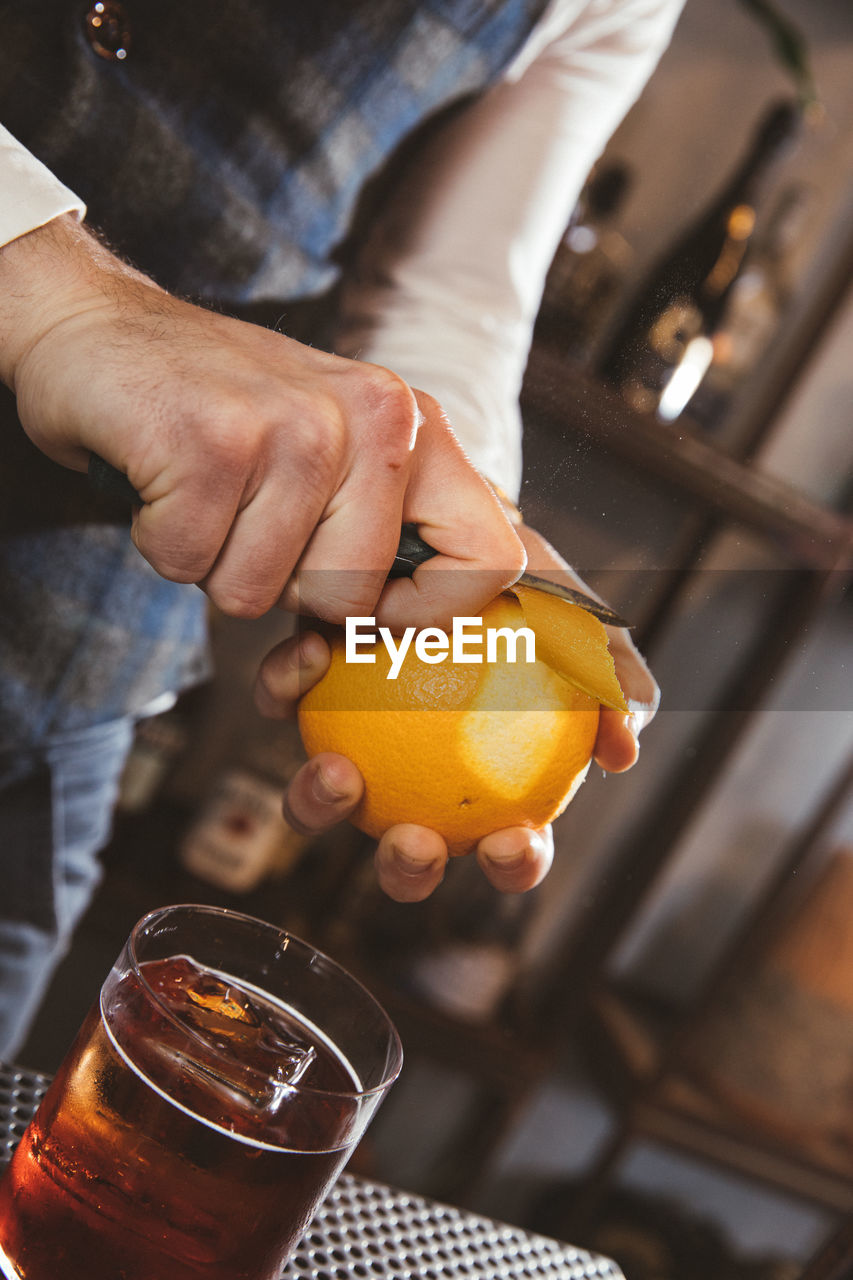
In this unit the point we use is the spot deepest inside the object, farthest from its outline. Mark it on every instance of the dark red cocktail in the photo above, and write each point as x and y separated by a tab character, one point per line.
209	1102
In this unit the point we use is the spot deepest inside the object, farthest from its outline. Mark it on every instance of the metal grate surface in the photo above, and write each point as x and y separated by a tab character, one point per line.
365	1231
20	1094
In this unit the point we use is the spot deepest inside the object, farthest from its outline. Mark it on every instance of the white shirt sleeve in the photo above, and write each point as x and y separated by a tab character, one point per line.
448	291
30	195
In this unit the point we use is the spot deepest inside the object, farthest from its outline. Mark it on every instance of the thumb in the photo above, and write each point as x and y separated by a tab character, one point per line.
288	671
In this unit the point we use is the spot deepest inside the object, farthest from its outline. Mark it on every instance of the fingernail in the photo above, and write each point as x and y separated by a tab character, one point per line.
411	866
636	721
325	791
509	861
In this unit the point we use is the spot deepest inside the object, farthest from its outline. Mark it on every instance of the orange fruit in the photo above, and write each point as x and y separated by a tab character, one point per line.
467	749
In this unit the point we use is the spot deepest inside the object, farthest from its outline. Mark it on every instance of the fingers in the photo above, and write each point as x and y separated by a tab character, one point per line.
636	680
260	552
348	555
322	793
457	513
516	859
260	455
181	533
617	744
288	671
410	862
329	787
406	466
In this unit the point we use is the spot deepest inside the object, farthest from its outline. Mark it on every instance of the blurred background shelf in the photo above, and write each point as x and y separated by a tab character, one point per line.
625	1051
724	485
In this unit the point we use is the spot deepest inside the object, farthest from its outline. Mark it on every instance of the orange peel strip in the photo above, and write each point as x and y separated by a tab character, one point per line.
573	643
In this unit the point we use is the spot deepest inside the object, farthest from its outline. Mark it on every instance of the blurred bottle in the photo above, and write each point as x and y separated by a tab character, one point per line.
233	776
661	348
238	837
588	268
758	301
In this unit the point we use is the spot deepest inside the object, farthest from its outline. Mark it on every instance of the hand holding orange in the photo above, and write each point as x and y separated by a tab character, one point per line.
410	857
467	749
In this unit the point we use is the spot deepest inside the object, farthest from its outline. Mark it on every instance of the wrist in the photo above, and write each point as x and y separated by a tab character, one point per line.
52	273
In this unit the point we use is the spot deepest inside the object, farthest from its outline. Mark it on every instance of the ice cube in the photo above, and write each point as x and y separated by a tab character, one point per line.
259	1053
211	993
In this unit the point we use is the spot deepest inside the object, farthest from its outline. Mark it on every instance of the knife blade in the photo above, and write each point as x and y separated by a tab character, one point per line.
412	551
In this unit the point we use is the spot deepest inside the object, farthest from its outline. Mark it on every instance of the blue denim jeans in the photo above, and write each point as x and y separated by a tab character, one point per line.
56	807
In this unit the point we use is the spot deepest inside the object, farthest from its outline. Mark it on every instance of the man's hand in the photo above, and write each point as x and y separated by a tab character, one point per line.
269	471
411	860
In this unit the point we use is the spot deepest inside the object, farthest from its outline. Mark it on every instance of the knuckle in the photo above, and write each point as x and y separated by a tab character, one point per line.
239	602
227	437
174	560
516	554
429	405
381	387
314	436
503	549
326	439
392	409
342	594
185	573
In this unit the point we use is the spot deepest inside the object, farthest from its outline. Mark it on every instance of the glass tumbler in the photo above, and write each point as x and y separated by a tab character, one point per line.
207	1105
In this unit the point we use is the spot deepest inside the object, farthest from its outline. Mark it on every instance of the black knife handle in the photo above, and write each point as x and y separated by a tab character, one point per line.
111	482
411	552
